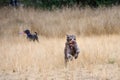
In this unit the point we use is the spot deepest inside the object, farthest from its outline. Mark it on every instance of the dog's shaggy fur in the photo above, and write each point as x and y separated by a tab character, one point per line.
30	36
71	48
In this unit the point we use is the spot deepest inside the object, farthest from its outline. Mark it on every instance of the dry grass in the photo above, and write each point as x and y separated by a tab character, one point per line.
98	60
61	22
23	60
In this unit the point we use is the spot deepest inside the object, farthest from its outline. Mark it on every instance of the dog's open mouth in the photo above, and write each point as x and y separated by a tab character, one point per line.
71	43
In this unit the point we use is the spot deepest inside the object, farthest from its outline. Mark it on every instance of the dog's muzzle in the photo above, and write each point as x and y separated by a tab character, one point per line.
72	44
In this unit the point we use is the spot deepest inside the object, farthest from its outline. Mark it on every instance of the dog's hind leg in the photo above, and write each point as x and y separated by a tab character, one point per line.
37	39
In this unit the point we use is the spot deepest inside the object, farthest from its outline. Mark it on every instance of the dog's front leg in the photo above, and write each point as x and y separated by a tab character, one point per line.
77	50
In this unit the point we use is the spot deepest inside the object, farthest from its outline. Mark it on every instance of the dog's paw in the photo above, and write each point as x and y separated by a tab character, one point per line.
76	56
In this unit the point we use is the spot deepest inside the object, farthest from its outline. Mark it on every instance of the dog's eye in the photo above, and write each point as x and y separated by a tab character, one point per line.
70	39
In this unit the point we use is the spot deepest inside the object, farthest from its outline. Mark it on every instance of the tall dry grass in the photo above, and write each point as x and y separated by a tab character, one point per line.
19	55
58	23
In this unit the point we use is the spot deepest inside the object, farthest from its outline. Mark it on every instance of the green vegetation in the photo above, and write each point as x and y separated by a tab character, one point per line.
69	3
49	4
4	2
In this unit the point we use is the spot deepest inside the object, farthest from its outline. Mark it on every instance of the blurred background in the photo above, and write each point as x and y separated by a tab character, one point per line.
50	4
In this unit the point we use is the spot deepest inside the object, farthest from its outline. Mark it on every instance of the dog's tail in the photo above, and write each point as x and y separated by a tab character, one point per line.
36	36
36	33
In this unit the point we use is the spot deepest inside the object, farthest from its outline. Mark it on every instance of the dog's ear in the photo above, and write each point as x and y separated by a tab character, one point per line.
67	37
74	37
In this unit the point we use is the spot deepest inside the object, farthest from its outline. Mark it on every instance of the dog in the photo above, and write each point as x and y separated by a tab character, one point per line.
71	48
33	37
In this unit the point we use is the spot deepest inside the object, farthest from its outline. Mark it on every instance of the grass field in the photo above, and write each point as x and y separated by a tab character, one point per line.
98	35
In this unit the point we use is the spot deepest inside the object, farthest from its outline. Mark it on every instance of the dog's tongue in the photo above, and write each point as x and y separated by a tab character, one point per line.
21	32
71	43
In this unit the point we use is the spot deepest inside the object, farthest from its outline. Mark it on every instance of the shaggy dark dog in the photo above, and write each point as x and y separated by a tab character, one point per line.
31	36
71	48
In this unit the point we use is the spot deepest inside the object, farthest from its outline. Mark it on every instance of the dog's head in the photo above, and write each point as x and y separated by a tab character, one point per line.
27	31
71	40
